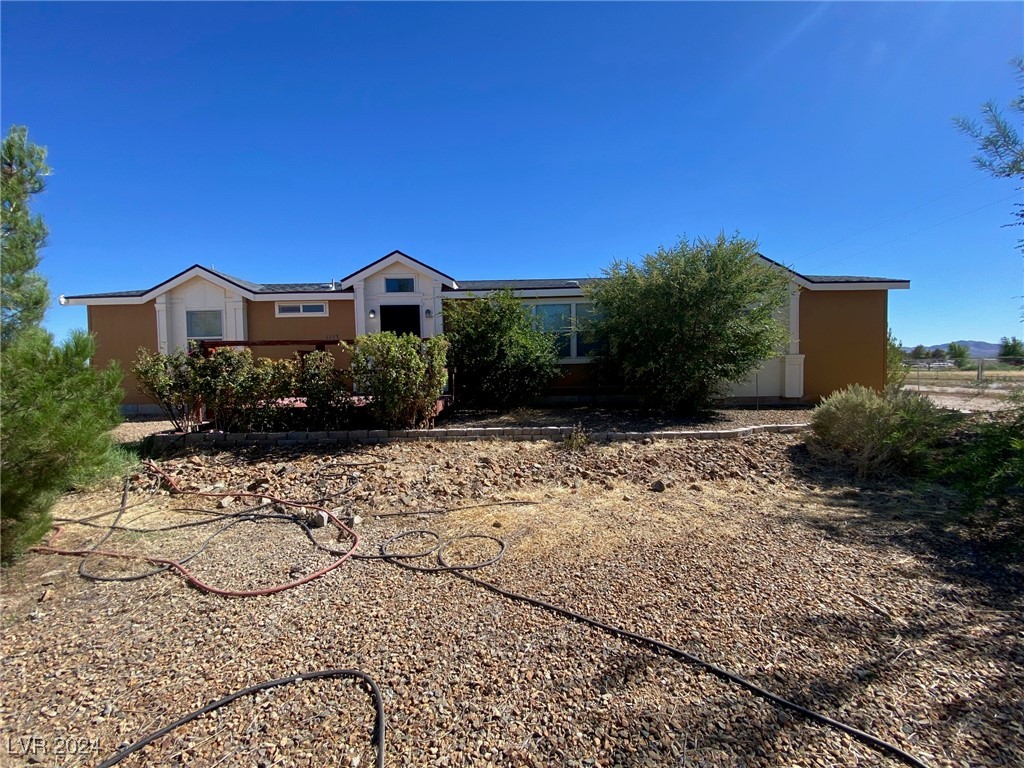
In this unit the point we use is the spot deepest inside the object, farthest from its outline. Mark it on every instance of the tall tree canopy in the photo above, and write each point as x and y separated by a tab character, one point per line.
24	292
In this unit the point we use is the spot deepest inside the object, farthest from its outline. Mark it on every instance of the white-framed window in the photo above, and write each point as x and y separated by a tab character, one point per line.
300	309
204	324
399	284
570	321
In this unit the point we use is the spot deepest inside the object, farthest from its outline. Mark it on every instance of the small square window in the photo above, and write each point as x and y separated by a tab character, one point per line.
399	284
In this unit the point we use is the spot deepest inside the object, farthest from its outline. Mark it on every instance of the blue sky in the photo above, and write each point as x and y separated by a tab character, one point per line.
299	142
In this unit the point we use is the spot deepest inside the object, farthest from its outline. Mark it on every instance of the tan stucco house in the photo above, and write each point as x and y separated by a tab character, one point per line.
838	324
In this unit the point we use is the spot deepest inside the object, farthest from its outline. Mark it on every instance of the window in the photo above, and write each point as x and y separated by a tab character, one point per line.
571	322
312	309
204	324
399	284
586	341
557	319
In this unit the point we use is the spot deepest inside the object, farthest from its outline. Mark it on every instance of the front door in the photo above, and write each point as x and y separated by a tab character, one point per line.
400	319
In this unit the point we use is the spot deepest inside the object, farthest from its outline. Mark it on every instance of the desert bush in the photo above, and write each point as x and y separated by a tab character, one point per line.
403	376
326	390
878	434
500	358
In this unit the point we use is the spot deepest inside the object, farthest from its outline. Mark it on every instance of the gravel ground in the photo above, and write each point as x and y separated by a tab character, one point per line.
867	604
593	419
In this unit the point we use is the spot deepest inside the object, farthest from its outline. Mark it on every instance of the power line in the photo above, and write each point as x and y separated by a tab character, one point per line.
892	218
922	229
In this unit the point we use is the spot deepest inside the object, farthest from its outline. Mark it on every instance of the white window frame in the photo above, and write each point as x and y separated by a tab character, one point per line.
400	277
301	305
572	302
220	337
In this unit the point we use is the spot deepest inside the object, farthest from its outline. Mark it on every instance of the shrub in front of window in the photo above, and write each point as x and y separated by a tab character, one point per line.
500	358
403	376
167	380
684	322
229	389
326	391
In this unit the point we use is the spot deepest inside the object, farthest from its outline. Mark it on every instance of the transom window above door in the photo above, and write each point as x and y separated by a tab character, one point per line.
400	284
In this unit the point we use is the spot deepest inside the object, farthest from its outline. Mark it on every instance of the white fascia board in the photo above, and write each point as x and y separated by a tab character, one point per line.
536	293
397	258
892	285
100	301
323	296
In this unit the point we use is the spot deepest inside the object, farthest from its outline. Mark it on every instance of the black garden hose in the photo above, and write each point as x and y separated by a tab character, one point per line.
378	731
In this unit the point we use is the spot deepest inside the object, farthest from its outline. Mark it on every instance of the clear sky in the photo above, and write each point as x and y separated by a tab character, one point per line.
286	142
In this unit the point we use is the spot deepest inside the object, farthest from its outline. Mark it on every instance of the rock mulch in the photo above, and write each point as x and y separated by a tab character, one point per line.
864	603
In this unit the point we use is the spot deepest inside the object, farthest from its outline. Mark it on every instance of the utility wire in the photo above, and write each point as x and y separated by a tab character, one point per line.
891	218
918	231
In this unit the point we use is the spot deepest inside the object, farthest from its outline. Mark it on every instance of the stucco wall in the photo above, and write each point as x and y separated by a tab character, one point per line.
339	325
119	331
843	337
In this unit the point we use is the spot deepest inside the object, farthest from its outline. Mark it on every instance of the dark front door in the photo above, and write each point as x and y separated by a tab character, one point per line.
400	318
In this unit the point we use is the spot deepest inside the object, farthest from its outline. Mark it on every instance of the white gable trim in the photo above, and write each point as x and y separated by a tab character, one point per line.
397	258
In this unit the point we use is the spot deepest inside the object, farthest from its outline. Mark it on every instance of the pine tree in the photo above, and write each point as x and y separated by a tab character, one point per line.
56	411
24	293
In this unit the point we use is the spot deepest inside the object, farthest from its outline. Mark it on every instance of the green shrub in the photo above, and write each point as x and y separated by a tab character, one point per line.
168	380
402	375
686	320
878	435
500	359
327	393
55	421
231	389
987	462
896	366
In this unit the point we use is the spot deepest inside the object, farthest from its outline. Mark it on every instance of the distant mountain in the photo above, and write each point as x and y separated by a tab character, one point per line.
974	348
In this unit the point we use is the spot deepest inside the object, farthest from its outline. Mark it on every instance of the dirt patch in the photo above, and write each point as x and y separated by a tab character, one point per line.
867	603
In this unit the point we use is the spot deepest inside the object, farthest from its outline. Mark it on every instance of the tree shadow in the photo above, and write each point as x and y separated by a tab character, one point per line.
923	519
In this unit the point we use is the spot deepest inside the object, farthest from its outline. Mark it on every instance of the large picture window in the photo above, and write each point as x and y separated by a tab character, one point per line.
556	319
572	323
204	324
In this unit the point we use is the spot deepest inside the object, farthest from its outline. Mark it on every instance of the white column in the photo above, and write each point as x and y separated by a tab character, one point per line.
359	290
794	319
435	308
234	317
793	376
161	324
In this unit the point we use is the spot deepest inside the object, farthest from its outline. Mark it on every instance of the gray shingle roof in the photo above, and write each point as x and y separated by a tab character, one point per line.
532	284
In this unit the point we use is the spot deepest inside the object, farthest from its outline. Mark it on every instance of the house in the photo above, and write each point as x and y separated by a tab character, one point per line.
838	324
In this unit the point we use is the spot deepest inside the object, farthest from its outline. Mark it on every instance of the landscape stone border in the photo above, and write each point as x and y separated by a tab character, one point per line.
163	442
